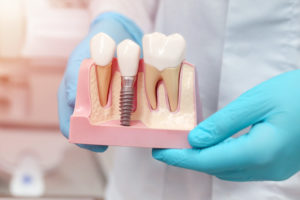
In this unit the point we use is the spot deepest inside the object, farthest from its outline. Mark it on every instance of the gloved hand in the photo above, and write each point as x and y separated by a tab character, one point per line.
116	26
269	151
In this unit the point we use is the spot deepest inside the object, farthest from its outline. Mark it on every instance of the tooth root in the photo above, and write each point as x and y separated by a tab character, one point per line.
152	76
103	80
170	77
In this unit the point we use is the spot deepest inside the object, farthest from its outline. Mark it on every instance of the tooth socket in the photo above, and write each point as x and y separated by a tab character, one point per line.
126	100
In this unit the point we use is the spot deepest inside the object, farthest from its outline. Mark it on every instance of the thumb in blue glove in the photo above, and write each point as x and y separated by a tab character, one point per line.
117	27
269	151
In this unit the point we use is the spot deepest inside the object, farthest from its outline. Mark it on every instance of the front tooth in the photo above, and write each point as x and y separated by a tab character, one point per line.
102	49
163	56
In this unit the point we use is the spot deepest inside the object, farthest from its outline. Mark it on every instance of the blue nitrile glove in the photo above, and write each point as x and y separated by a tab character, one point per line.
269	151
116	26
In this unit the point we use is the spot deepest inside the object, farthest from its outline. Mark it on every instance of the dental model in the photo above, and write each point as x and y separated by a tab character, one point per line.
163	56
128	53
102	49
128	119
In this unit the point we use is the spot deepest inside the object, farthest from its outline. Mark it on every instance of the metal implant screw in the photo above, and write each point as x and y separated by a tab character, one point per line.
126	99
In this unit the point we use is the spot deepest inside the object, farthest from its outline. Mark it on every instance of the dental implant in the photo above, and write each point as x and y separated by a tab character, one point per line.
128	53
126	99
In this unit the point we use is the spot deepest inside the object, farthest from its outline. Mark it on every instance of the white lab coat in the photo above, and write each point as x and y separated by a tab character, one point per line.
235	45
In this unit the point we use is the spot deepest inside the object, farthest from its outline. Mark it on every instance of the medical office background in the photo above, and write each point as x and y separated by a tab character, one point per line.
36	38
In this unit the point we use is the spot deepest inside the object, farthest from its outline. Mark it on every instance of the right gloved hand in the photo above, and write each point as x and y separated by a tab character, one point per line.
117	27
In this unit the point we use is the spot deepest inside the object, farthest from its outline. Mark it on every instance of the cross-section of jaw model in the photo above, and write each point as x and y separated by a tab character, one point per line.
163	113
102	48
163	56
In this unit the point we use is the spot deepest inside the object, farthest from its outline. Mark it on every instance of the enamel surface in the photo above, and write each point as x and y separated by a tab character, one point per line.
163	51
128	53
102	49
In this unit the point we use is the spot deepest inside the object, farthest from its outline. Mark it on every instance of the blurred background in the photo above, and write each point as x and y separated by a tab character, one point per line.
36	38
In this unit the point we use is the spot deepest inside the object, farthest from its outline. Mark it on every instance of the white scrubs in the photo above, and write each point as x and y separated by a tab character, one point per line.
235	45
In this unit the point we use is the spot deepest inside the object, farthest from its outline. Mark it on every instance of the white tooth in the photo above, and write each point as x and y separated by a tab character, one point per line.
102	48
163	51
128	53
163	56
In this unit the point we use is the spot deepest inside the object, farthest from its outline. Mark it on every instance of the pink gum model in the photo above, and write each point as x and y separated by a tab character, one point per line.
111	132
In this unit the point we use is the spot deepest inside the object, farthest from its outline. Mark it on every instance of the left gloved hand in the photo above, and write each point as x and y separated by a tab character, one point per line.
269	151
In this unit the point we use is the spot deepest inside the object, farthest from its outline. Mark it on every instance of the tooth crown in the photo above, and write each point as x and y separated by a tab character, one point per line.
102	48
128	53
163	51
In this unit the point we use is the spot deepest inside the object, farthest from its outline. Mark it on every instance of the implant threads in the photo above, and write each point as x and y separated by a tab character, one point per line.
126	99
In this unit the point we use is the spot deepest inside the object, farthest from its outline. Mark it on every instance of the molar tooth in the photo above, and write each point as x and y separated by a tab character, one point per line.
163	56
102	48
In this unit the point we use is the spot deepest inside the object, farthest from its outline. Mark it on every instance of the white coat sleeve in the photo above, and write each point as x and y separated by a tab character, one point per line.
142	12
